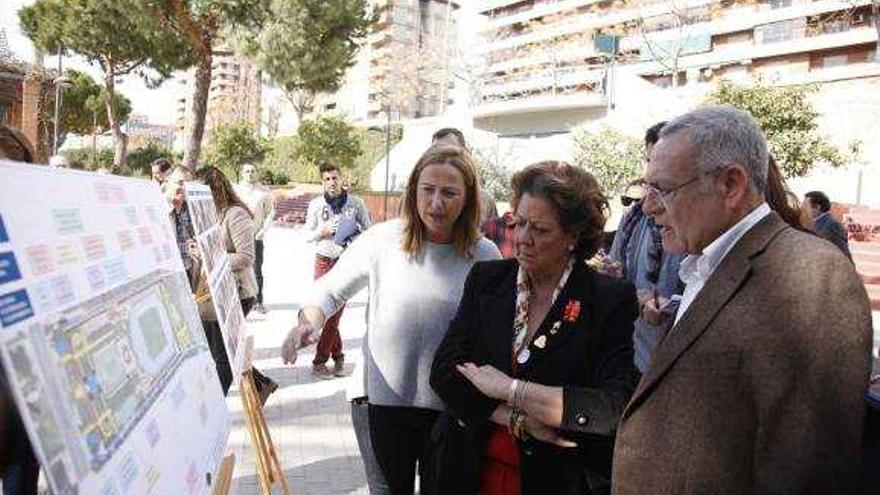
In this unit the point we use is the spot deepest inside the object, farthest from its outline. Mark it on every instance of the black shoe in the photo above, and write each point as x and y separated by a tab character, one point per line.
339	368
321	371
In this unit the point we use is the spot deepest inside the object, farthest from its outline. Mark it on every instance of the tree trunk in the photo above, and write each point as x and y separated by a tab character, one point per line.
119	137
302	102
198	109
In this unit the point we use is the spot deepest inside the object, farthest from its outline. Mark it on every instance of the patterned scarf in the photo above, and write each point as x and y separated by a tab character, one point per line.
655	249
523	298
338	202
655	253
626	232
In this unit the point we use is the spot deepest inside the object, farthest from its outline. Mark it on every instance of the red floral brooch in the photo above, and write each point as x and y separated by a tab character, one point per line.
572	311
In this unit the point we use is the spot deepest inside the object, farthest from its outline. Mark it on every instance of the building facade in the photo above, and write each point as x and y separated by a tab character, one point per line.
552	65
405	65
235	93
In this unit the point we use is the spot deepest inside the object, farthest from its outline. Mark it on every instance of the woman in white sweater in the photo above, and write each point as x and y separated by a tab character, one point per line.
414	268
237	231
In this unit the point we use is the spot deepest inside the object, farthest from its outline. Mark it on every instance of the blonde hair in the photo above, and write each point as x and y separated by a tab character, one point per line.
466	231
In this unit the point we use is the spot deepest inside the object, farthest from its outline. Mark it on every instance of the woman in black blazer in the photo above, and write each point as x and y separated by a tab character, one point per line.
537	365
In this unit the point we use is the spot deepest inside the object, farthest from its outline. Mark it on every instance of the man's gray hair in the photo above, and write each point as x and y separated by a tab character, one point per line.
723	136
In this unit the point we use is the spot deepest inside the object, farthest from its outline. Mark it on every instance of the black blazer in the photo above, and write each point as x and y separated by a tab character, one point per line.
591	358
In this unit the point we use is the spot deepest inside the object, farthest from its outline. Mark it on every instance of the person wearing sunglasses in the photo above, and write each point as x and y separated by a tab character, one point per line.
632	193
638	251
160	168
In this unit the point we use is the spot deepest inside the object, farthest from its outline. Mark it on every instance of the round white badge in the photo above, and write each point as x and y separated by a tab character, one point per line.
523	356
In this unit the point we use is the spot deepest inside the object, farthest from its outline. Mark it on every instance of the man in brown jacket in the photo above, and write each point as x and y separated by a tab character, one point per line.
759	385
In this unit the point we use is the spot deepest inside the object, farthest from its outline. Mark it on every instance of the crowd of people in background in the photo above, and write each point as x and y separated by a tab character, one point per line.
719	341
718	346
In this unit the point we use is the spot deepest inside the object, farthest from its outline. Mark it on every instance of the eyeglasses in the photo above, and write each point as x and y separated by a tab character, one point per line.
665	196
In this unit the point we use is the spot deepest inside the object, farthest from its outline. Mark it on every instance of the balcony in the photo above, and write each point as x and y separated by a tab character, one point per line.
539	113
541	80
488	5
588	22
748	52
569	52
537	11
745	18
831	74
734	19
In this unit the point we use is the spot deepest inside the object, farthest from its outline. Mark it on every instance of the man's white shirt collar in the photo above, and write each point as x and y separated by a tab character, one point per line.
696	269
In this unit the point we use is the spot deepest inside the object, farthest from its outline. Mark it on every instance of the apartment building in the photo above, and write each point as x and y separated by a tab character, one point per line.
404	65
235	93
548	65
142	133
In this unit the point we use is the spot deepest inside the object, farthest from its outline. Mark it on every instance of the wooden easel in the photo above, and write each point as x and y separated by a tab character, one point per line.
268	468
224	476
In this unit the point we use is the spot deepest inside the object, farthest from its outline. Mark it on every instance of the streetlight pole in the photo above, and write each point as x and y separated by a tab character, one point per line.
387	162
94	135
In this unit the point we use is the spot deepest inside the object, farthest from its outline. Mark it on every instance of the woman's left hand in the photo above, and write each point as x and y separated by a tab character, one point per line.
488	380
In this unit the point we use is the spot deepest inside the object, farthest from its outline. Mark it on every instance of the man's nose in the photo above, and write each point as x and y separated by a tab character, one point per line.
651	205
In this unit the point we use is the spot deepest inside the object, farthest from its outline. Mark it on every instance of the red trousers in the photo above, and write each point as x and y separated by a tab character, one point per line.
330	343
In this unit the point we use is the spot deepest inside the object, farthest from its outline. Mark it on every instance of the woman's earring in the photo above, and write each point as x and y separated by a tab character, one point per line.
570	248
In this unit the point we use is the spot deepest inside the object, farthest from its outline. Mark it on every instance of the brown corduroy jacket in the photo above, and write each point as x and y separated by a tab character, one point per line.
759	387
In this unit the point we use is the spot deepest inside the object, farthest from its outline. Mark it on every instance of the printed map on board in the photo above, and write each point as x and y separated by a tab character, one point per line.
100	337
218	273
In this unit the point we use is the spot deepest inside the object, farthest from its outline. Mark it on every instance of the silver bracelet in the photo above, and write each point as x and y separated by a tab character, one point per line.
511	394
520	396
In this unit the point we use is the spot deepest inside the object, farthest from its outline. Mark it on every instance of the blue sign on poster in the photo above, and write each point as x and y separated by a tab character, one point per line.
3	236
15	307
8	268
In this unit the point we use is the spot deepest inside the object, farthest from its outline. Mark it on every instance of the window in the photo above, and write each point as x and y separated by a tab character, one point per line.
780	4
781	31
736	73
834	60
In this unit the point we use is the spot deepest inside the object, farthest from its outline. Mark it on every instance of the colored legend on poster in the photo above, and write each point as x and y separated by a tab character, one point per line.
67	254
126	240
40	259
68	220
131	215
94	247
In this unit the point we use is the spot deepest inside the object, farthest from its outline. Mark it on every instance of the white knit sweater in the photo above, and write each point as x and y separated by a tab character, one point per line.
411	303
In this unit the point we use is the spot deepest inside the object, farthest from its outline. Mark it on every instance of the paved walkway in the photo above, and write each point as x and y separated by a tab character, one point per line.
308	418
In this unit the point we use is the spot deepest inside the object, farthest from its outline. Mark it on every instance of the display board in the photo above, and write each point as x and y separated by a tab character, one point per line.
217	271
100	336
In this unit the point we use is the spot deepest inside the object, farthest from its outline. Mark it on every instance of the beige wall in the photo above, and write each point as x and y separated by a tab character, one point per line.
850	110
